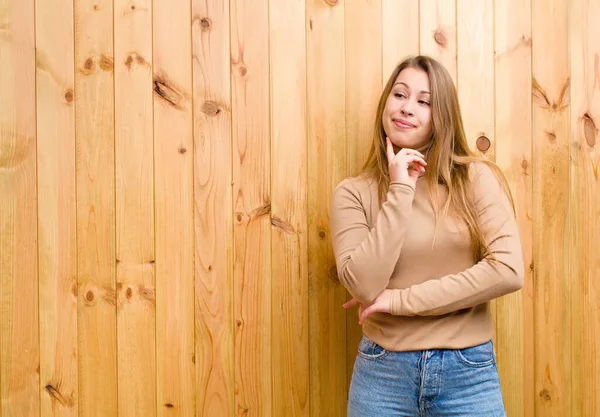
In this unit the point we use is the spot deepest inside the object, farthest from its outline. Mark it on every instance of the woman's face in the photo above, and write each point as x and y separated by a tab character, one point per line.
407	113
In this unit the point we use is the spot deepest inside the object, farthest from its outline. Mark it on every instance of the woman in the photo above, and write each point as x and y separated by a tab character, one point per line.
424	238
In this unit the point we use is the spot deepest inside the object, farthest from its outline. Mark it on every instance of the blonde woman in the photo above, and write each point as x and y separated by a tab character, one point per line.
424	238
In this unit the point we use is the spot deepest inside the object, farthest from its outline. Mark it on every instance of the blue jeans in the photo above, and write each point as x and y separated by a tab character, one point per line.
428	383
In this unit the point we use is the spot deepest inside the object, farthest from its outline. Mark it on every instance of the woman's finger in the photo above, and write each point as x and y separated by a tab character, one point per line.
389	150
351	303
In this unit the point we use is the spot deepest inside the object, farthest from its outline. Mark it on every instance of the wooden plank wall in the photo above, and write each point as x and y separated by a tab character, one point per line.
165	174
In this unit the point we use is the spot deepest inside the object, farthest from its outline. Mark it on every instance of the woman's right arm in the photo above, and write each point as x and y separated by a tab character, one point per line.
366	258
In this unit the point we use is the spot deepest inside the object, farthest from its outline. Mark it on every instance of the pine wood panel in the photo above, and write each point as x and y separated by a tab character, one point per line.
134	159
288	219
437	27
363	47
584	206
327	165
213	209
514	324
399	33
252	207
57	244
95	154
174	211
553	284
475	58
19	337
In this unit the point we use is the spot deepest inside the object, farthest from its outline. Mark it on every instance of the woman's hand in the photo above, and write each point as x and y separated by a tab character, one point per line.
381	304
406	165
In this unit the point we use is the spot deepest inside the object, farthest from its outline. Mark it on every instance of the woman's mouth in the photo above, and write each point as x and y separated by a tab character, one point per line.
403	124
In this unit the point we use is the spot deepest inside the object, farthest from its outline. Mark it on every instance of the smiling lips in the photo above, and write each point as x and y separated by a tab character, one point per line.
403	124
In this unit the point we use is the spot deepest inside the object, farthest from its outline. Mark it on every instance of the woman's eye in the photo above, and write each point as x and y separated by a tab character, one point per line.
400	95
424	102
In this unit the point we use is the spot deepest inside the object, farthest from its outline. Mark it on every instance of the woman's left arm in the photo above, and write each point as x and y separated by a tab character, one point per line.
499	273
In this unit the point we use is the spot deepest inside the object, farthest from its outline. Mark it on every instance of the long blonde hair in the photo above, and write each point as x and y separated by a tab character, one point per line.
449	155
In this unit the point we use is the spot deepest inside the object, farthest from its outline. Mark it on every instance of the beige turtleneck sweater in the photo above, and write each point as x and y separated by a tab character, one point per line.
441	293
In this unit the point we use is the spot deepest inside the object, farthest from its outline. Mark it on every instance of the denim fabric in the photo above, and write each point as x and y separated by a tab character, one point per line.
429	383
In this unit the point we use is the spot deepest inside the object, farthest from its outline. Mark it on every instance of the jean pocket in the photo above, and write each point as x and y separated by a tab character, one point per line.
477	356
370	350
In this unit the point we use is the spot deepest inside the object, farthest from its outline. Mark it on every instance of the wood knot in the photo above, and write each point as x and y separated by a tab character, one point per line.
483	143
169	405
168	93
95	7
210	108
331	3
322	234
182	150
205	24
545	395
129	293
133	7
243	71
89	296
89	64
589	130
129	61
69	96
238	323
440	38
525	165
239	217
106	63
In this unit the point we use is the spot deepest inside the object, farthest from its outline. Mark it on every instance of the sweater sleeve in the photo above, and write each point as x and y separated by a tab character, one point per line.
365	259
491	277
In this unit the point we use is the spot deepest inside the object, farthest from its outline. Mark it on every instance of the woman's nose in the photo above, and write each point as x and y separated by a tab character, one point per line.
406	110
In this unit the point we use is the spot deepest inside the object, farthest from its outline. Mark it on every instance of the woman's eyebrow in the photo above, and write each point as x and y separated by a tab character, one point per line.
406	85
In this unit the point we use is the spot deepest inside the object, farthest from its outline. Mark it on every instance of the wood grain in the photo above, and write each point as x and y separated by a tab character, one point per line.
134	158
363	47
19	334
174	208
584	205
95	155
438	32
550	124
213	209
289	254
57	219
475	58
327	165
399	33
514	324
252	207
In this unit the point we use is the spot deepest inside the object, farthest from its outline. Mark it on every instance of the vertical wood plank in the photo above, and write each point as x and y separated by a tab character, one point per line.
514	326
174	211
19	336
57	227
94	122
363	46
252	207
134	148
438	32
475	50
550	66
584	202
213	208
327	166
400	33
289	222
